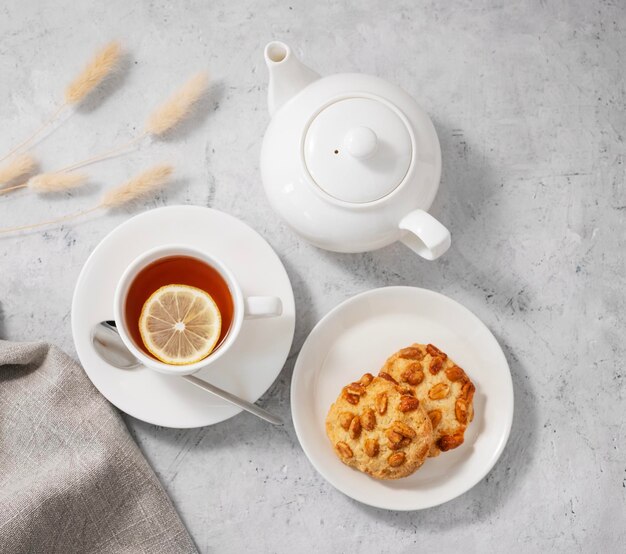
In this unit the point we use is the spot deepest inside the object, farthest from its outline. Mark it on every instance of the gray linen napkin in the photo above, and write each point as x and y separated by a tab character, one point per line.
71	477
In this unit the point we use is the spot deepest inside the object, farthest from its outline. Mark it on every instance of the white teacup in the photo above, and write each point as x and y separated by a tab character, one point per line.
243	307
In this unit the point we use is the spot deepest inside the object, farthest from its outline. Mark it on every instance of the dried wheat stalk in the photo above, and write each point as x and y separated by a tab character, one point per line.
162	120
143	184
18	167
50	182
177	107
56	182
100	67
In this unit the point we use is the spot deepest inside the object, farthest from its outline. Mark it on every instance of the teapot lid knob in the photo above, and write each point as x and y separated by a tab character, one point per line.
361	142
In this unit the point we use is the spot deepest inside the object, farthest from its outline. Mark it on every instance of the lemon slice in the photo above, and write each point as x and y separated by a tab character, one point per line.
180	325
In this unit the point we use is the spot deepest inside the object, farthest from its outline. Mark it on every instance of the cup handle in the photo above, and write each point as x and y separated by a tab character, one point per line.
425	235
256	307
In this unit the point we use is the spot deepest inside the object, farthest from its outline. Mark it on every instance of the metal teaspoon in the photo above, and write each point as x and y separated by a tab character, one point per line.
112	350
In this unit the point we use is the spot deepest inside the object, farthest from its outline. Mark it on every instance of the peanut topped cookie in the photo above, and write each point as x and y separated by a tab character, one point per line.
379	428
443	388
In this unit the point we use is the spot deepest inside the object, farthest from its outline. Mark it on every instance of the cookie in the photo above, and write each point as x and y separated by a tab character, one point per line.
443	388
379	428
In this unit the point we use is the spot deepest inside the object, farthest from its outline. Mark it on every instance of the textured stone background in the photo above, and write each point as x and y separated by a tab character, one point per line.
528	100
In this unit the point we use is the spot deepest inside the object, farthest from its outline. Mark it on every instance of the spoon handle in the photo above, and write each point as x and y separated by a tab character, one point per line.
247	406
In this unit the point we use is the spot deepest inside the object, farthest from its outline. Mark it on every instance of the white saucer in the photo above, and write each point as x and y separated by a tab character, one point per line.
356	337
247	370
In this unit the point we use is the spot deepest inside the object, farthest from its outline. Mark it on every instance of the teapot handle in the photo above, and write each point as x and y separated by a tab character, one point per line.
425	235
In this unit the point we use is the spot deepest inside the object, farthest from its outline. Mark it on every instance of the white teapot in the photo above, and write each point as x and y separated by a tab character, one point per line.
350	161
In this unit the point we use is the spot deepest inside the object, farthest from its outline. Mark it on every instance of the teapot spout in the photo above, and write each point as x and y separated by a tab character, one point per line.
287	75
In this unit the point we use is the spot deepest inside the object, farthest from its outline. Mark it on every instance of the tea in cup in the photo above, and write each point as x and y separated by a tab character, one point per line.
179	309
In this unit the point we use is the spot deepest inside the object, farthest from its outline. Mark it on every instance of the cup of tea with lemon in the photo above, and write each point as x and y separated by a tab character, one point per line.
179	309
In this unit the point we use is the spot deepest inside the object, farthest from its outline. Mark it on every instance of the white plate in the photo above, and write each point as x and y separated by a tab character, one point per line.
247	370
356	337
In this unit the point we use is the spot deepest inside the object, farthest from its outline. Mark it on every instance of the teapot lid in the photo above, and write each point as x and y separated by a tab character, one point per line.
358	149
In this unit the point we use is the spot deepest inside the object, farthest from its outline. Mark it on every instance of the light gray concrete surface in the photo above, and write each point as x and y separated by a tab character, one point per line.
528	100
